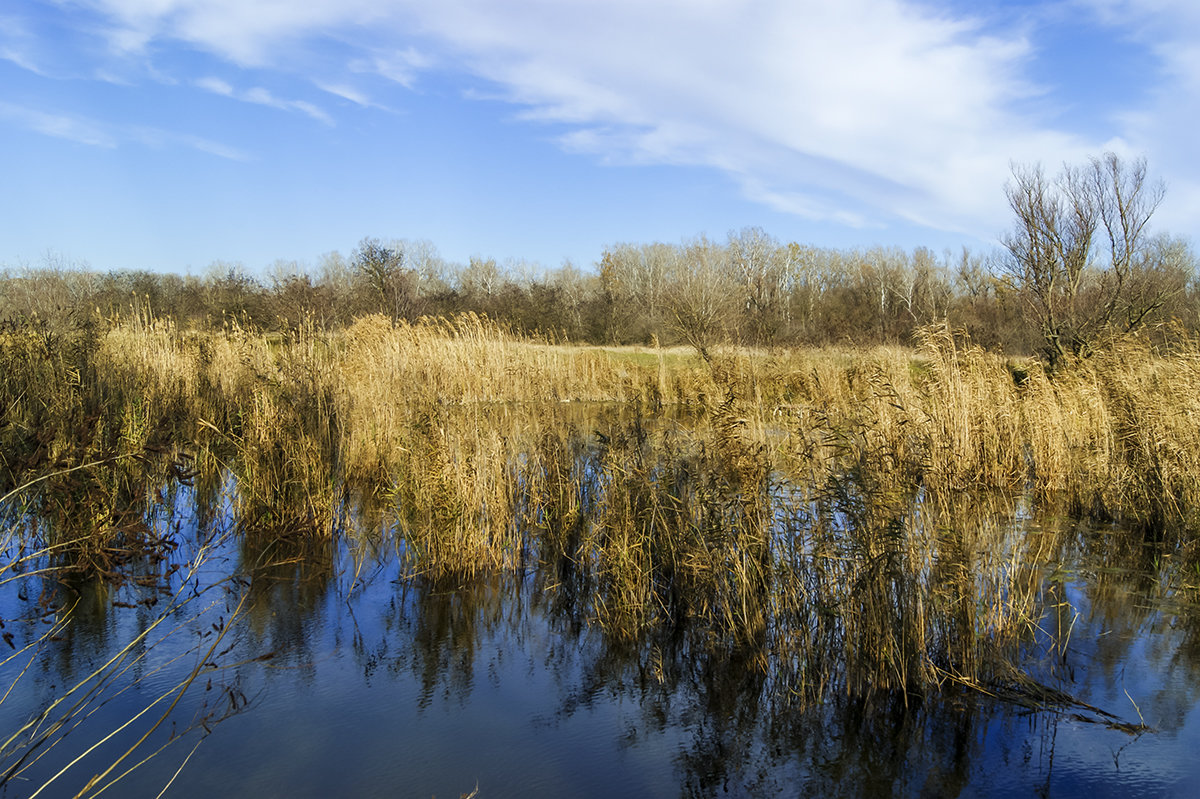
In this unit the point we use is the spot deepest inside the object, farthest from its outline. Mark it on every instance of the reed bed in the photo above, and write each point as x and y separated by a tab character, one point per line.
843	519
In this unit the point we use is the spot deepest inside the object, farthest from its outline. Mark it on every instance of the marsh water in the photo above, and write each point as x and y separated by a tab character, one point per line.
328	668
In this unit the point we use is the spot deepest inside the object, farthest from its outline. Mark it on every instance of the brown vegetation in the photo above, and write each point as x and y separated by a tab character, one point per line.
810	467
823	512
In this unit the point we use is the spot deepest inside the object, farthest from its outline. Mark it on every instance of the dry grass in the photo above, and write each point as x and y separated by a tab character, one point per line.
841	516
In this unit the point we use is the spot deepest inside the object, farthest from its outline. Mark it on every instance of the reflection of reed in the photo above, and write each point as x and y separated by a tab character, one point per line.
817	512
147	666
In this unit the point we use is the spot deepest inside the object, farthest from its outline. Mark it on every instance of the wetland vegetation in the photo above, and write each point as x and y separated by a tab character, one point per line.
830	524
830	566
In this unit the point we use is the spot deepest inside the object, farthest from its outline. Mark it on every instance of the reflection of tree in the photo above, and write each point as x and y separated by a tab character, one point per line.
743	739
435	629
1134	621
289	583
747	726
137	635
809	699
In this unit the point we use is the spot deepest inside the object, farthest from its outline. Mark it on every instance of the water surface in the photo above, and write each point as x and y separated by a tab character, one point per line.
338	673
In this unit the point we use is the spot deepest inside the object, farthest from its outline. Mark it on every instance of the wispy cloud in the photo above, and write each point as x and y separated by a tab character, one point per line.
399	65
346	93
261	96
20	58
351	94
61	126
862	109
160	139
859	111
215	85
92	132
245	33
17	44
1162	126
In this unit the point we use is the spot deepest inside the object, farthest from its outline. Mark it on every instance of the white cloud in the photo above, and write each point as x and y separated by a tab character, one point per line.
155	137
17	45
352	94
60	126
261	96
399	66
879	106
20	58
212	147
859	111
216	86
346	93
1162	126
85	130
246	32
305	107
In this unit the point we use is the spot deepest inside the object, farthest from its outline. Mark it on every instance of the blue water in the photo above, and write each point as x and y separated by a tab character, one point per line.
341	677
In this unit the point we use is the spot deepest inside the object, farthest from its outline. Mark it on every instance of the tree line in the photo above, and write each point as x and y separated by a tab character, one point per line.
1078	263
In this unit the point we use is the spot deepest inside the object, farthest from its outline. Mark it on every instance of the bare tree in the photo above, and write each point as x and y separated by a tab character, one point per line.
702	296
481	279
634	283
389	282
1079	252
760	266
432	272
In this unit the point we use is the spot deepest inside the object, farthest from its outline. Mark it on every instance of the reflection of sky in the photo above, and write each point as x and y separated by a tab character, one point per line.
394	688
1124	665
356	718
1077	758
1127	655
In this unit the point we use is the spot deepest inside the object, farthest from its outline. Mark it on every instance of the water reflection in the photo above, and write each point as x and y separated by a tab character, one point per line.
104	659
363	676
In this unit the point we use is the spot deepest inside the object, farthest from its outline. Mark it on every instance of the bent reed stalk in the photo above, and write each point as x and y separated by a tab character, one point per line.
840	518
52	598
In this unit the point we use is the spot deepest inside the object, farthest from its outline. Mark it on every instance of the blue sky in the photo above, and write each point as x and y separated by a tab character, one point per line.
170	134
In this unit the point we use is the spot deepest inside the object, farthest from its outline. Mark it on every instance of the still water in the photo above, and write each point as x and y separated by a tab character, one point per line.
331	673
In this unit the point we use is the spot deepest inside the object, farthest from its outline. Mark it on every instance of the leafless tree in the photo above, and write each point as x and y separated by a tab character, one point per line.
388	280
761	268
702	297
1079	253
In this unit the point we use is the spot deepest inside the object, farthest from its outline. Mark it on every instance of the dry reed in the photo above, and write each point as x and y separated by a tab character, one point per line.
811	509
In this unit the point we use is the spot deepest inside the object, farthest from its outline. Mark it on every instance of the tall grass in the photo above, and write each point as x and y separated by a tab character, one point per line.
818	513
